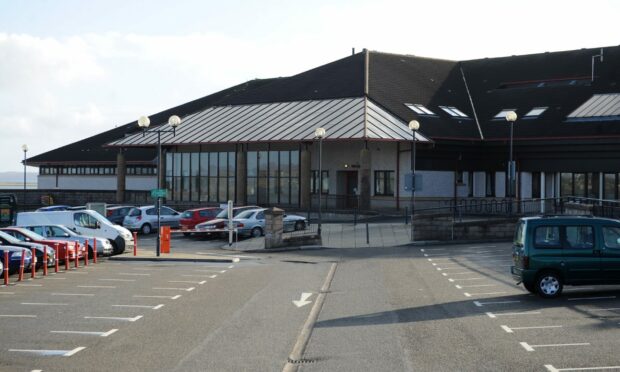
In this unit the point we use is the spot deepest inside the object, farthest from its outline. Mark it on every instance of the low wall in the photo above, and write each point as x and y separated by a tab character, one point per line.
442	227
33	199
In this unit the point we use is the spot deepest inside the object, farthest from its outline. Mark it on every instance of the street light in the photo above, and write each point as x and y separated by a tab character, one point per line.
511	117
414	125
144	122
319	133
25	150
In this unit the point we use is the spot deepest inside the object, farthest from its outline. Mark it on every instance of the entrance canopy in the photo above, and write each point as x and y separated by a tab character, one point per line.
345	118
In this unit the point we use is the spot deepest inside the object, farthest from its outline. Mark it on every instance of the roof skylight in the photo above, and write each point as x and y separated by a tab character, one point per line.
502	114
535	112
419	109
453	111
599	106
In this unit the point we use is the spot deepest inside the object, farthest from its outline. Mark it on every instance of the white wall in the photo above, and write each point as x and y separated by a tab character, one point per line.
479	184
525	179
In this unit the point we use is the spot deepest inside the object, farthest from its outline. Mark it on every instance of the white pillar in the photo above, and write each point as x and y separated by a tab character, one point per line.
600	188
543	192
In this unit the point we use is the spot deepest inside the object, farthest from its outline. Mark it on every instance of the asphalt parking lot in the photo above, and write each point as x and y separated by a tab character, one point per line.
578	331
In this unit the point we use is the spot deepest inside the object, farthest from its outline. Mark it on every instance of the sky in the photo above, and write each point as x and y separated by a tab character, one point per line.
70	69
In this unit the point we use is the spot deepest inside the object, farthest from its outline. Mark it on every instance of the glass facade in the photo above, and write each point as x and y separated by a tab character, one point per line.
584	185
201	176
273	177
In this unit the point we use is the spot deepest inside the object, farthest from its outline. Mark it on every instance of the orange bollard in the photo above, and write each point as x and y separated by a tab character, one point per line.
66	256
21	268
135	243
45	260
94	250
34	265
6	268
77	255
86	254
57	257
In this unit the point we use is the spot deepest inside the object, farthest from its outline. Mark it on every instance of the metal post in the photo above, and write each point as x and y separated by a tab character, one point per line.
320	182
510	172
413	153
45	260
24	206
57	255
158	198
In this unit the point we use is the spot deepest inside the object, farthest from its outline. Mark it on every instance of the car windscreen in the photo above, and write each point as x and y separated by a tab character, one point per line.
9	238
519	238
31	234
246	214
187	214
134	212
223	213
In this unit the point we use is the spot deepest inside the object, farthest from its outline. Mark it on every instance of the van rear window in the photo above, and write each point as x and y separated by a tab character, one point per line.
547	237
519	238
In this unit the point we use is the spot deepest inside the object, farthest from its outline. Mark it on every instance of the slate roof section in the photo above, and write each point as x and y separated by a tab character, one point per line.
342	118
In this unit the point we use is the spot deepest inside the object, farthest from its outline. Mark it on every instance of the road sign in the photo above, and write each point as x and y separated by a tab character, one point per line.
158	193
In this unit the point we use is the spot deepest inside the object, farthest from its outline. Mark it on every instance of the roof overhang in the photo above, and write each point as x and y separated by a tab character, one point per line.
343	119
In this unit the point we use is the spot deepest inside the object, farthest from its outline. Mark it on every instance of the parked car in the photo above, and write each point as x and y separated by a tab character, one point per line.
221	220
54	208
26	235
252	222
192	217
117	213
62	233
550	252
144	219
8	239
15	257
84	222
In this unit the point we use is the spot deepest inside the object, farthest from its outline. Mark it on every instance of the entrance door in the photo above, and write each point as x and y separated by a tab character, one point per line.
347	189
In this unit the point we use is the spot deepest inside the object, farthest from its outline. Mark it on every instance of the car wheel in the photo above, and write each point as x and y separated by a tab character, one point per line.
256	232
300	225
530	287
146	229
549	284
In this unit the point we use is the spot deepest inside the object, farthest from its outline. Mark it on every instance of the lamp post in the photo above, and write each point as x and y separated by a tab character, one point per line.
25	150
173	122
511	117
319	133
414	125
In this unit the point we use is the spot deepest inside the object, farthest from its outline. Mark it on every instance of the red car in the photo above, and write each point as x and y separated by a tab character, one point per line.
30	236
193	217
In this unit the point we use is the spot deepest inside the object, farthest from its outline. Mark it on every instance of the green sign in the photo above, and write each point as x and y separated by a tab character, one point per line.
158	193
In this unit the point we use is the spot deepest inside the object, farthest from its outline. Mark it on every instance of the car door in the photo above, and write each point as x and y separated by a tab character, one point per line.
169	217
610	252
260	219
580	256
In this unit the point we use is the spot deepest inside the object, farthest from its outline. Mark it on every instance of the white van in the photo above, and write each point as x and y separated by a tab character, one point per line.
85	222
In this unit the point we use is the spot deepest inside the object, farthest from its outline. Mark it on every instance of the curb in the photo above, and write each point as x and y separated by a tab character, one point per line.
449	242
282	249
172	259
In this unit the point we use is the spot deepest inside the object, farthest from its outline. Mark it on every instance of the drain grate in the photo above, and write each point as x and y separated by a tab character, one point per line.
301	361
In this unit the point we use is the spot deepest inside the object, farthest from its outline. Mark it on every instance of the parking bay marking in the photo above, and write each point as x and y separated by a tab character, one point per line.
467	294
176	289
100	334
480	304
474	286
529	347
512	329
211	271
187	281
64	353
7	293
495	315
72	294
199	276
551	368
28	285
156	307
17	316
169	297
451	280
115	318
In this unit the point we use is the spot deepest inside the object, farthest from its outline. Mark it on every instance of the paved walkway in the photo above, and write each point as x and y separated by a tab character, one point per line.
181	255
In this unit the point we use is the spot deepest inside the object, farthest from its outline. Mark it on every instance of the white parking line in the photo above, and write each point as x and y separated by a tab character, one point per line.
7	293
115	318
65	353
467	294
451	280
480	304
44	304
187	281
459	273
135	274
211	271
72	294
231	266
511	329
118	280
551	368
169	297
96	286
199	276
176	289
28	285
529	347
100	334
590	298
157	307
474	286
17	316
495	315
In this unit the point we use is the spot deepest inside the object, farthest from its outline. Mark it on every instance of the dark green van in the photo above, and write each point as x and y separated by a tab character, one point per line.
549	252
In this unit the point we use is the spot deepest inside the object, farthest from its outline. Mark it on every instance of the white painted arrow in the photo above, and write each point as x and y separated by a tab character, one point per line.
303	300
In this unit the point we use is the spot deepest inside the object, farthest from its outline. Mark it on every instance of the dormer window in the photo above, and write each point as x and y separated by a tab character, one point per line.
419	109
502	114
535	112
453	111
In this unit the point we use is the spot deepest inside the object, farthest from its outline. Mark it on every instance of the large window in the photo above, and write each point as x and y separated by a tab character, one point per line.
204	177
580	184
490	183
384	183
314	182
536	185
273	177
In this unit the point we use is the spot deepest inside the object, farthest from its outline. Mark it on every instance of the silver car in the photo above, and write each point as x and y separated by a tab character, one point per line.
144	219
60	232
252	222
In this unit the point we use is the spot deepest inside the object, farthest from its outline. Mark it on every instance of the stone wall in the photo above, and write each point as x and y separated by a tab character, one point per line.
442	227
